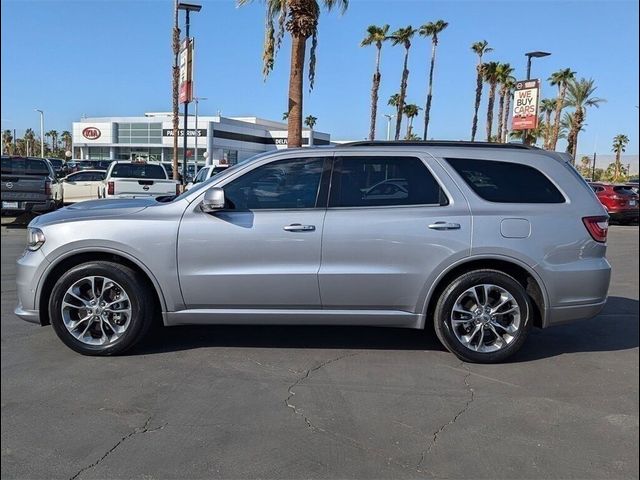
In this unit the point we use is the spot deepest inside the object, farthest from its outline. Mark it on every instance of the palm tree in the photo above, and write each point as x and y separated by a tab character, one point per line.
620	142
54	138
580	96
508	87
411	111
300	19
431	29
532	135
567	124
66	140
285	115
175	81
491	73
48	135
546	108
403	37
375	36
585	164
561	79
310	121
480	48
29	137
7	139
505	79
394	101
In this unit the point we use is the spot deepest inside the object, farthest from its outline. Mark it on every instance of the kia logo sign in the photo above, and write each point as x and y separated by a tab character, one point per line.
91	133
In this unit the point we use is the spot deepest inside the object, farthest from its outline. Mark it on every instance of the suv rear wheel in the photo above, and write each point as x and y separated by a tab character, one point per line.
483	316
101	308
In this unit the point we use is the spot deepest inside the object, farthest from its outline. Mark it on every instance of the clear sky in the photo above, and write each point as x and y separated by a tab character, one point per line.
113	58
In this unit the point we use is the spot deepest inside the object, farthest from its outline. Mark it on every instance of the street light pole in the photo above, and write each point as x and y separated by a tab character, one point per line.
389	117
530	55
41	132
197	101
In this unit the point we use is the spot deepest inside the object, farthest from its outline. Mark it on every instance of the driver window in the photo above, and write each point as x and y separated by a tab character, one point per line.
292	183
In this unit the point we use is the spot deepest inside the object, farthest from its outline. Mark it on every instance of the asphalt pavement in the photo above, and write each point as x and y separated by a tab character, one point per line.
321	402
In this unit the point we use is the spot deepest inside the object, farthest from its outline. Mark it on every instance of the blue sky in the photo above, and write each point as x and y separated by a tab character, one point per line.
104	58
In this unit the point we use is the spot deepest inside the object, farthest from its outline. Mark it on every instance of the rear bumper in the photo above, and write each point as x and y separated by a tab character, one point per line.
624	215
27	206
562	315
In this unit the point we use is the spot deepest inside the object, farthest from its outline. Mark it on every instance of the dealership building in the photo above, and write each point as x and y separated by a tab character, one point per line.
227	140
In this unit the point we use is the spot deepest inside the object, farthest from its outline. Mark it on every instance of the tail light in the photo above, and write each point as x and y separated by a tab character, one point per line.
178	189
598	227
111	188
47	187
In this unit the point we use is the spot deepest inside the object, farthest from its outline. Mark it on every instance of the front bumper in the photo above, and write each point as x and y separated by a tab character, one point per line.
29	269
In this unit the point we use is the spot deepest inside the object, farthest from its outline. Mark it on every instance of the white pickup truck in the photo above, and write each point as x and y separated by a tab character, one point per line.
131	179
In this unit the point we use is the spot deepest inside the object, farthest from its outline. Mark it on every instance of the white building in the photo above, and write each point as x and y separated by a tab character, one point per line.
227	140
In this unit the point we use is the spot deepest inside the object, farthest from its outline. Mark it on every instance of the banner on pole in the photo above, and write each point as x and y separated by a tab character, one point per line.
525	105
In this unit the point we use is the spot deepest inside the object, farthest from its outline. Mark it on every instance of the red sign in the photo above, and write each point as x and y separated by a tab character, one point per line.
91	133
186	71
525	105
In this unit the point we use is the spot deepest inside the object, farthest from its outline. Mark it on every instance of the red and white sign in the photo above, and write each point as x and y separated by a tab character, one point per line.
525	105
91	133
186	67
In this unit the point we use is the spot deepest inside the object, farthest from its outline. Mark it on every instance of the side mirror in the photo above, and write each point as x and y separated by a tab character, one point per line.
213	200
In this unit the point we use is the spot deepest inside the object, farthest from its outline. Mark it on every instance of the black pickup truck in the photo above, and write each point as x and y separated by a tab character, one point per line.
29	185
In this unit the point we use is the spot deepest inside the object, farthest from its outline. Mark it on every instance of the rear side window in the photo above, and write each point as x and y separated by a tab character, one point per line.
506	182
383	181
138	170
24	166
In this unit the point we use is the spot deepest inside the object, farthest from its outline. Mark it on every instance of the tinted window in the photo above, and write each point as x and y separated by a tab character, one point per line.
24	166
624	190
506	182
80	177
56	163
380	181
283	184
138	170
202	175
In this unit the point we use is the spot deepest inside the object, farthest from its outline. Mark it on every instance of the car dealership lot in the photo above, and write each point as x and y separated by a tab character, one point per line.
290	402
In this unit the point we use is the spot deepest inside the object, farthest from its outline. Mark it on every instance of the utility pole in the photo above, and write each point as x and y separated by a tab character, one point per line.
41	132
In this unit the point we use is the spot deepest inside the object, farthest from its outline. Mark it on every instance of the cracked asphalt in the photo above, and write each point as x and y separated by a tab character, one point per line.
310	402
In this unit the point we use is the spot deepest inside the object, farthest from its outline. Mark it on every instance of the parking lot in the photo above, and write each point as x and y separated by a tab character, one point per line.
321	402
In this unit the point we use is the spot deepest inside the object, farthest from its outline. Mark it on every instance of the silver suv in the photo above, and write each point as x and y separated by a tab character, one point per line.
484	241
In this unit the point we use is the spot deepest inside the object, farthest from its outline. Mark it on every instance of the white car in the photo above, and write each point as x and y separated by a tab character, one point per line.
132	179
82	185
205	173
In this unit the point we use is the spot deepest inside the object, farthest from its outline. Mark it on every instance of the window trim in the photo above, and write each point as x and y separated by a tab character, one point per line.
383	154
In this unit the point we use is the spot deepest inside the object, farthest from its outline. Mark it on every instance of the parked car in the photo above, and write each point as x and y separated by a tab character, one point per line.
132	179
205	173
83	185
489	240
58	167
620	201
29	185
633	186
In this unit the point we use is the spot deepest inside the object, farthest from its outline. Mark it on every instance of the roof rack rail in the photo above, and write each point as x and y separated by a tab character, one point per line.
436	143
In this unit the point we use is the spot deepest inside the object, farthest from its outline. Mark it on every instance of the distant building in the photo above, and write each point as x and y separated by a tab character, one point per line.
227	140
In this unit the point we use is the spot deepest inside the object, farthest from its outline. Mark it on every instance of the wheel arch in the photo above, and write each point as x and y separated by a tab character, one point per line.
525	275
76	257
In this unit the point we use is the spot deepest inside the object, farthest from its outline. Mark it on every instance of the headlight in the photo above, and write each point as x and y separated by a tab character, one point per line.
35	238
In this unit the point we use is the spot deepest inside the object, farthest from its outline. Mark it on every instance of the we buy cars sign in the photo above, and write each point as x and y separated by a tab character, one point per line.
525	105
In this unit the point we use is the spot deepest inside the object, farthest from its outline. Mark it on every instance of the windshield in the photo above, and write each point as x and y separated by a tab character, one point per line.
55	162
24	166
134	170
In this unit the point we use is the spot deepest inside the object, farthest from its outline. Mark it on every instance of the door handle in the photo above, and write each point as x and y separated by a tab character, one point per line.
444	226
297	227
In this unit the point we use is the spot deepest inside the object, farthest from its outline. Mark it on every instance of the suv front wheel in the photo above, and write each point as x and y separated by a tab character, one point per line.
483	316
101	308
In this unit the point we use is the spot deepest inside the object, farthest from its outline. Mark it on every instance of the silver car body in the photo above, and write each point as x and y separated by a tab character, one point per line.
357	266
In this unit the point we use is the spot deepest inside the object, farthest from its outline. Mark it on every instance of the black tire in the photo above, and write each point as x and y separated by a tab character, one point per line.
447	300
135	286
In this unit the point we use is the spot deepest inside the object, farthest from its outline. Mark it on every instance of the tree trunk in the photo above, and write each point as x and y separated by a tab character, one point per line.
616	170
556	124
490	104
294	135
547	136
374	97
476	108
427	108
175	79
507	111
403	93
500	115
578	119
